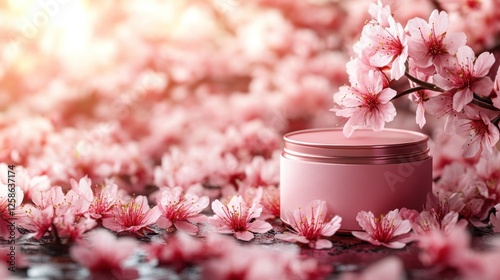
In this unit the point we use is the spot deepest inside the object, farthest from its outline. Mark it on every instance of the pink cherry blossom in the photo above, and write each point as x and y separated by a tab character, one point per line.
71	226
385	44
182	250
422	96
39	221
366	104
466	75
105	198
181	210
445	249
488	170
237	218
134	216
428	221
357	67
389	230
481	134
271	202
461	188
443	203
442	106
262	172
58	214
309	225
104	255
254	262
30	184
431	43
9	207
380	14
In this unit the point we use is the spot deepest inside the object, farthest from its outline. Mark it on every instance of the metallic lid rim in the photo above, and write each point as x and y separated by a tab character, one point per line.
286	137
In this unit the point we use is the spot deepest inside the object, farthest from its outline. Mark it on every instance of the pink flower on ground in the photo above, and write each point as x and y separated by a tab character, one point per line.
134	216
255	262
442	204
482	135
6	210
465	76
389	230
105	197
104	255
309	226
182	250
428	221
181	210
495	219
30	184
444	249
58	214
431	43
439	214
39	221
71	226
271	202
366	104
237	218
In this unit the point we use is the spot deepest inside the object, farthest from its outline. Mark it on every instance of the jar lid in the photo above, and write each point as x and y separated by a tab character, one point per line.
364	146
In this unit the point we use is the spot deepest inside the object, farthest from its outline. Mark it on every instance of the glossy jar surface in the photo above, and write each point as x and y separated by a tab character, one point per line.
369	171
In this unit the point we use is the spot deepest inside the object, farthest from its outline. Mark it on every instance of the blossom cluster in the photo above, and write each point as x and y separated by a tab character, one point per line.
446	79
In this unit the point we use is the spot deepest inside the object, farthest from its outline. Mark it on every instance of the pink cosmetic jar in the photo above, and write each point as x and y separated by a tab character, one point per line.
369	171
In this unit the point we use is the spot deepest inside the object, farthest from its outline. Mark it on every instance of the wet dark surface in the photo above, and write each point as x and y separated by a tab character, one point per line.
348	254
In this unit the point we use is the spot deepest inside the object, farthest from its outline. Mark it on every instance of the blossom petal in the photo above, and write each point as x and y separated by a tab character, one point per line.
394	245
483	64
290	237
237	205
163	222
219	208
260	226
454	40
482	86
244	235
186	227
462	98
365	220
332	226
361	235
321	244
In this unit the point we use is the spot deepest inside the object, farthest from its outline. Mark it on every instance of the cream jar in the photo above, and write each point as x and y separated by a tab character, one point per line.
369	171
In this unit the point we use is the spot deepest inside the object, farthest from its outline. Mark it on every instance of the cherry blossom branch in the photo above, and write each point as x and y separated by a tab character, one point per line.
426	85
484	103
478	100
496	120
408	91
